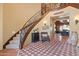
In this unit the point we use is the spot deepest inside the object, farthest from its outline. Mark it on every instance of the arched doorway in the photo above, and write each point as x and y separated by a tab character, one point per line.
60	27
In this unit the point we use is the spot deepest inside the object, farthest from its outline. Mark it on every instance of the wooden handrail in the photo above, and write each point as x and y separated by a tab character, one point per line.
25	26
28	31
30	18
4	46
34	24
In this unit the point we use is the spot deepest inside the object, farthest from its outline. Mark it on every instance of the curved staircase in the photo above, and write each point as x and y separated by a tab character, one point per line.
18	39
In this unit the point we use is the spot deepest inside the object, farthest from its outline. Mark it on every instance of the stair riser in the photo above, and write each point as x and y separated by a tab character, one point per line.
14	42
12	46
15	38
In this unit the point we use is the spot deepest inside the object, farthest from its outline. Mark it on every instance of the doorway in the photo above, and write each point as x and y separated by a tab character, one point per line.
60	28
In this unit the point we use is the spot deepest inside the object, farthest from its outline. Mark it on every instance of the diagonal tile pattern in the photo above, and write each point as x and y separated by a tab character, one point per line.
53	48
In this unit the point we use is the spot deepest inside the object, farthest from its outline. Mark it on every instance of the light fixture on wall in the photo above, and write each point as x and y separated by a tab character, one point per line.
77	19
44	22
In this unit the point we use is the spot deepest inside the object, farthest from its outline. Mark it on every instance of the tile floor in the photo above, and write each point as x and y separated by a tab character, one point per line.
52	48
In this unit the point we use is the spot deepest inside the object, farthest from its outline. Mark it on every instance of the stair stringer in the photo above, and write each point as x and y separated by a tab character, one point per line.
28	39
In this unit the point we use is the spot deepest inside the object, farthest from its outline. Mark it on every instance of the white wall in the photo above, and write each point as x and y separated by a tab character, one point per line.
71	12
15	16
1	27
